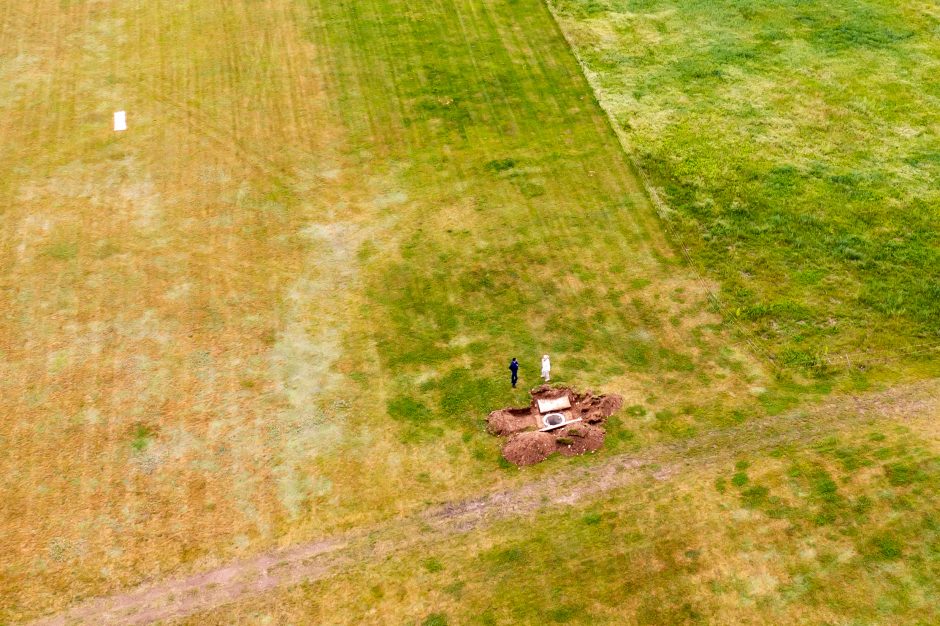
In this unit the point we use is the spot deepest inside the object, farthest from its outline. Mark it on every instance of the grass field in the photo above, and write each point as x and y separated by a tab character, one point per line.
282	302
280	305
842	530
797	145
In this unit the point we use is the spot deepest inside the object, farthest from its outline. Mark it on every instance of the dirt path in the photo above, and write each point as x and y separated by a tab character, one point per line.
312	561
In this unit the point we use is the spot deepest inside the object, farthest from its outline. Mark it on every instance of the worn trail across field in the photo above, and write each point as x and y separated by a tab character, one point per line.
312	561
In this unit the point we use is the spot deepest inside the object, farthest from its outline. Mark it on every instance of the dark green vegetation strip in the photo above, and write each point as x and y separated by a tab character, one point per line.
797	142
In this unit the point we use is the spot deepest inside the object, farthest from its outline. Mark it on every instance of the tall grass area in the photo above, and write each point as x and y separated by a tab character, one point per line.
797	143
842	530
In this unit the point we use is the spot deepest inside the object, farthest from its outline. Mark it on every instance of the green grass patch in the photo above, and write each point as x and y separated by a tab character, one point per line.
801	137
62	250
435	619
142	435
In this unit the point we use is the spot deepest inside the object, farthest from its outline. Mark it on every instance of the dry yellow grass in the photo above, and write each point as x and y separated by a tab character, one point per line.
159	385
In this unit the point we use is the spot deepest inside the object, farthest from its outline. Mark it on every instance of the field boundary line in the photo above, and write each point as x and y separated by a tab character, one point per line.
660	206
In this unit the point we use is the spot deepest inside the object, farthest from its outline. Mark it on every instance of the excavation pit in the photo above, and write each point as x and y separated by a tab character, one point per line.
556	420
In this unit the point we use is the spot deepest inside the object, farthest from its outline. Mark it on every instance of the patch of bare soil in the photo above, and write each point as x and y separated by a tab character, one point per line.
583	433
508	421
529	448
578	439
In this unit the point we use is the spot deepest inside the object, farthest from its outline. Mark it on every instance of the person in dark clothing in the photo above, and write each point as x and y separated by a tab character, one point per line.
514	368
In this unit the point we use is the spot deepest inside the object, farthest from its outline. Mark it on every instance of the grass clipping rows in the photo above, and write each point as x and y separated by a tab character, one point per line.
526	445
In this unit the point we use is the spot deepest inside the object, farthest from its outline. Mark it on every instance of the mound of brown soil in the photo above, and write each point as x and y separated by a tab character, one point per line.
596	409
508	421
579	439
527	446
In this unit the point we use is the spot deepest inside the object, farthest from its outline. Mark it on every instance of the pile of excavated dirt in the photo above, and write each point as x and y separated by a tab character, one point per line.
529	448
509	421
526	445
577	439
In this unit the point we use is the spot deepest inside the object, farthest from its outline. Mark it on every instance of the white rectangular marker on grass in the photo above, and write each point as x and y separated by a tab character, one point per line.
120	120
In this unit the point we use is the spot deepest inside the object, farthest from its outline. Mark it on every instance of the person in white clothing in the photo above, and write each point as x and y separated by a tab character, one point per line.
546	367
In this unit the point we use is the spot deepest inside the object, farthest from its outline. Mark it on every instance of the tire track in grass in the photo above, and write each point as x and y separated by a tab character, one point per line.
471	44
177	598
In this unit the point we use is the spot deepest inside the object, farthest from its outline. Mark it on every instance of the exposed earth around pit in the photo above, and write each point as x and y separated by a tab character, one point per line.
583	431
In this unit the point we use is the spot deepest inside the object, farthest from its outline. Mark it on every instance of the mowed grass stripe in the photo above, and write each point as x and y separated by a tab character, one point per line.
551	87
615	174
